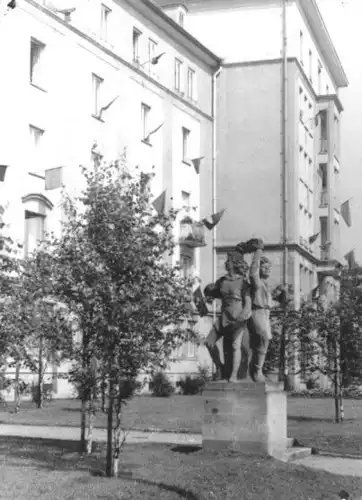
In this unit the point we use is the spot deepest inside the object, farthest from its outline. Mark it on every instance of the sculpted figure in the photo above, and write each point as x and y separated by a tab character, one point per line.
234	291
259	324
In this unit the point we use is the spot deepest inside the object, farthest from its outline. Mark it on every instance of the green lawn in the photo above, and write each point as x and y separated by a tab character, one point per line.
309	420
32	469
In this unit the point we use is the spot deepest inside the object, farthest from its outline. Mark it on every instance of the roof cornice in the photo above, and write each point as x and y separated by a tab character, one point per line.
177	32
320	31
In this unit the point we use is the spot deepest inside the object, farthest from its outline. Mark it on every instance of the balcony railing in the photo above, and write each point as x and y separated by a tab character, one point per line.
324	199
192	234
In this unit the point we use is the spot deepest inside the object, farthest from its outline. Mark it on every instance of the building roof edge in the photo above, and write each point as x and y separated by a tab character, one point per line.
316	21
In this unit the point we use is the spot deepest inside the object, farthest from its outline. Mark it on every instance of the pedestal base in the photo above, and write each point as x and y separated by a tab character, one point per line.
247	417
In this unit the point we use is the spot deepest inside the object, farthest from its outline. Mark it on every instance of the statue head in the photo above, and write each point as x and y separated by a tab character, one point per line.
235	263
265	267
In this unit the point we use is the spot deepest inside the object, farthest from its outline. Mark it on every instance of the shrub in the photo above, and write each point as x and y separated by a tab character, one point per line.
189	386
160	385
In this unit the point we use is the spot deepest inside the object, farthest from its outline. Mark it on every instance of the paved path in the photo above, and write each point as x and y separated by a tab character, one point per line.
340	466
73	434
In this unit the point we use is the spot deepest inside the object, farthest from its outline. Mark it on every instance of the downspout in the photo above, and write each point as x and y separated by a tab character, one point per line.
284	146
284	173
214	172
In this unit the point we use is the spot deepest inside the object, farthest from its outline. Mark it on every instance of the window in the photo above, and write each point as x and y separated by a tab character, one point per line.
319	77
186	200
185	145
190	83
105	13
34	231
336	137
36	56
301	47
35	134
135	42
181	19
310	65
178	66
152	47
145	113
323	135
96	91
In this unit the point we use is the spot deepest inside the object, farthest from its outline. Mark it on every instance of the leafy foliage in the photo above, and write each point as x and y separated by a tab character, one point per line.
160	385
112	268
191	385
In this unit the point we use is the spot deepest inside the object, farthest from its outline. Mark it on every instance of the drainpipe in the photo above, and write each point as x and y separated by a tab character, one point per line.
214	170
284	173
284	146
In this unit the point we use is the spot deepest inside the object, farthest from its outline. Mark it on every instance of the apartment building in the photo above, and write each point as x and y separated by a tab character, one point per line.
250	133
82	81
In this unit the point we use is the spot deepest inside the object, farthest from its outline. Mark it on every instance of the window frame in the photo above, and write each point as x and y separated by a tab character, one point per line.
145	113
105	13
191	83
187	199
181	19
97	82
35	62
310	63
41	217
178	64
186	133
301	47
136	36
152	53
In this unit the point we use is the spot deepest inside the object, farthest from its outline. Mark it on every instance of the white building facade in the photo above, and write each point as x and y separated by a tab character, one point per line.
61	64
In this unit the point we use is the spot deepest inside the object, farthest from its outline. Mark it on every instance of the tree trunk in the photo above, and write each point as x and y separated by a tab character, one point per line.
109	462
91	418
83	423
40	373
337	385
103	393
117	443
17	388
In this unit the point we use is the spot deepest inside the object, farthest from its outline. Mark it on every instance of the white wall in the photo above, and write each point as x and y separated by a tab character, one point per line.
252	32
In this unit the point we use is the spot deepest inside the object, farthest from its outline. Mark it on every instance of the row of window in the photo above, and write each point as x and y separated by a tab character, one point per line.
154	55
305	197
310	63
306	168
37	49
306	111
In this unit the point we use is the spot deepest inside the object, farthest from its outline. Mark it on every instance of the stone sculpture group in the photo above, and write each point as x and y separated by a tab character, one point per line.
244	323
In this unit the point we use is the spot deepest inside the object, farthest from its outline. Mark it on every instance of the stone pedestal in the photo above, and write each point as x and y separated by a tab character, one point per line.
247	417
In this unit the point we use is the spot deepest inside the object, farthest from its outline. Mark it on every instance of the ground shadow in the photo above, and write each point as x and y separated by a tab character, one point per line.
186	448
130	476
62	455
298	418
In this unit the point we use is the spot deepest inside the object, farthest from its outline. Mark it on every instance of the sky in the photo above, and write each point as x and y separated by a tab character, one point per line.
343	21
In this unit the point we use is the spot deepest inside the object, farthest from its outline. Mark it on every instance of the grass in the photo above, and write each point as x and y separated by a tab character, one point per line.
309	420
41	469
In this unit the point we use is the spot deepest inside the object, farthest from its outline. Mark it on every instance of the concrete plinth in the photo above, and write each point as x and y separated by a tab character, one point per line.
247	417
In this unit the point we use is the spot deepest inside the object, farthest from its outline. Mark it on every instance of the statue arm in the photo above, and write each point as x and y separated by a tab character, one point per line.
255	268
212	291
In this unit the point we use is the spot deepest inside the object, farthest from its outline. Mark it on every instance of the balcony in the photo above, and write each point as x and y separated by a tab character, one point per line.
323	146
324	199
192	233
